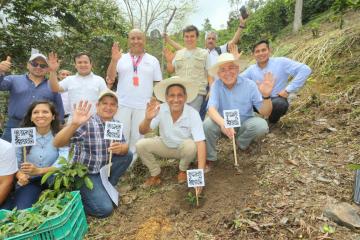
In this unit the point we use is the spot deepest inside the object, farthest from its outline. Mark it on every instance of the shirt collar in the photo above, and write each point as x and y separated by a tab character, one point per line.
239	80
268	63
167	109
89	75
47	135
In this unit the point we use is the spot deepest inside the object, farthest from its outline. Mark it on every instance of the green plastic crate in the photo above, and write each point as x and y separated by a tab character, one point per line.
70	224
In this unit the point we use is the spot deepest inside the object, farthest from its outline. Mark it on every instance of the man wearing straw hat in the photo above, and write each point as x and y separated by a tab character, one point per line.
181	132
92	150
282	68
232	92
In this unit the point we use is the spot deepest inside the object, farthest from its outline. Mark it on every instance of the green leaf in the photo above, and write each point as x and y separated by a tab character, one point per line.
46	176
57	183
353	166
66	182
88	183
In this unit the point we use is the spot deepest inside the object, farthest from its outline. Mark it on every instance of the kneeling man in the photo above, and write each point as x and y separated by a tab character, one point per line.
181	132
92	150
232	92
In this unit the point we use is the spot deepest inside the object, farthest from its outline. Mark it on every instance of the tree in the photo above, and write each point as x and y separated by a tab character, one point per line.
150	14
64	26
298	16
207	25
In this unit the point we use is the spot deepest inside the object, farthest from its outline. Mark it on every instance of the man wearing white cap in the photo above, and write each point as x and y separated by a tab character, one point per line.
232	92
86	131
181	132
25	89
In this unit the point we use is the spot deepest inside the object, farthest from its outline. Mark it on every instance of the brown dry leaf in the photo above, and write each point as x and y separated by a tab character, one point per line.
292	161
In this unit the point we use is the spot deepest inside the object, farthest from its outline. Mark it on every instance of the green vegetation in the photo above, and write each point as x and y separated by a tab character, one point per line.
20	221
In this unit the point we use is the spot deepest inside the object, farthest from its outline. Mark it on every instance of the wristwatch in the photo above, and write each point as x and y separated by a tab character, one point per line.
268	97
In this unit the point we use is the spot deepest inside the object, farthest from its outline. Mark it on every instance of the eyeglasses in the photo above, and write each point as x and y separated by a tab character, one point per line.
41	65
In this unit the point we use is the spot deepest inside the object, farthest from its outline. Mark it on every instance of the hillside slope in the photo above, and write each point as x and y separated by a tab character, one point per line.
284	184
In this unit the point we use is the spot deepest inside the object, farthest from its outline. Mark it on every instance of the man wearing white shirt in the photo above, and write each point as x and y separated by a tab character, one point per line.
63	73
181	132
137	73
8	168
83	86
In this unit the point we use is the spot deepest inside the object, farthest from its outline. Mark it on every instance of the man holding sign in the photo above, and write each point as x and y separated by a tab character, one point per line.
239	95
92	150
181	132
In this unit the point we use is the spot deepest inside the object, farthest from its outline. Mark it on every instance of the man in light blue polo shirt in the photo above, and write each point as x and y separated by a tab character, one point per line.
282	69
232	92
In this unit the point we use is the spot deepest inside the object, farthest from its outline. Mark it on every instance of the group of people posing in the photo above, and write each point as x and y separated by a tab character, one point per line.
188	111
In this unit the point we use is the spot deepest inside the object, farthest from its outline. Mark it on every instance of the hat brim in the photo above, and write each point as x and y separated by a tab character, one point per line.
192	89
214	69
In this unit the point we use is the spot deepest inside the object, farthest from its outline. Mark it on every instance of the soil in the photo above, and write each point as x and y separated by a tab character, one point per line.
280	188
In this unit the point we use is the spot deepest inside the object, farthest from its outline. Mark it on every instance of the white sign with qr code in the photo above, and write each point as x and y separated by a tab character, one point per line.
113	131
232	118
195	178
22	137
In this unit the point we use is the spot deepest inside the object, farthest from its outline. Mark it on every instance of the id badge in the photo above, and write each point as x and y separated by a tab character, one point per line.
135	81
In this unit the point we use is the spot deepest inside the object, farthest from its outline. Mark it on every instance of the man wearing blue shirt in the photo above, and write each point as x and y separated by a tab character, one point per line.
232	92
25	89
282	69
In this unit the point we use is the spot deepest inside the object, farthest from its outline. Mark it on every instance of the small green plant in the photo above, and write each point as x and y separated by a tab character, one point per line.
20	221
191	199
327	229
69	177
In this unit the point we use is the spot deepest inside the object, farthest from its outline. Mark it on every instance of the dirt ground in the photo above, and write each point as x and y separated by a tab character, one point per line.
281	187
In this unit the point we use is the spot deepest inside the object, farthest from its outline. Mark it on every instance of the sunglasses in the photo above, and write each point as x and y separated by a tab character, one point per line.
41	65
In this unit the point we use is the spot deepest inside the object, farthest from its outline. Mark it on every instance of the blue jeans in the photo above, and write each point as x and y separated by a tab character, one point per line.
97	201
11	123
25	196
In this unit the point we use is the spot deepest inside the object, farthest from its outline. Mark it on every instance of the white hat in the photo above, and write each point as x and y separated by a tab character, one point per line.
38	55
223	58
108	93
192	88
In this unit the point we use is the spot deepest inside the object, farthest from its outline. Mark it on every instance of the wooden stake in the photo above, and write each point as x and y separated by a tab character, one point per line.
164	42
197	196
235	156
110	157
24	153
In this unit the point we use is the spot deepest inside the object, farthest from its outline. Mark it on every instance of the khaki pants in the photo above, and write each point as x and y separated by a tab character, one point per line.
147	148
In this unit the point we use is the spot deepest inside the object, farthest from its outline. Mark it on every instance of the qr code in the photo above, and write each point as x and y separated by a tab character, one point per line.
195	178
113	130
232	118
23	137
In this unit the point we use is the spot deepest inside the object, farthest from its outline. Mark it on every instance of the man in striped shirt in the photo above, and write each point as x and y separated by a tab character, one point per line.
92	150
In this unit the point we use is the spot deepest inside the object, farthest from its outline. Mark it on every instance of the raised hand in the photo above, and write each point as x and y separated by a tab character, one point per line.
116	52
152	109
5	65
233	49
169	55
267	85
53	62
81	113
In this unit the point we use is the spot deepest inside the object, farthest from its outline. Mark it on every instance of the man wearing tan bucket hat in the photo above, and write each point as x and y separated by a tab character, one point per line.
232	92
181	132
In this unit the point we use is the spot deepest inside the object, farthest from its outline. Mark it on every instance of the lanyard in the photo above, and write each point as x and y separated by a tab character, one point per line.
136	63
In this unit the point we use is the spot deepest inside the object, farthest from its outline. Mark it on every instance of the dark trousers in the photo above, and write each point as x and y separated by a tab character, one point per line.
25	196
280	107
11	123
